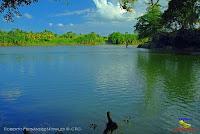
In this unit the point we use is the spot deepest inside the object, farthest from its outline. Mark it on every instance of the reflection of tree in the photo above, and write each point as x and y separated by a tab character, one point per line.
179	82
173	72
150	71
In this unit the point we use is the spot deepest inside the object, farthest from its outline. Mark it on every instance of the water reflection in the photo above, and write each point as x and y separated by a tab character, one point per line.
67	86
172	84
173	72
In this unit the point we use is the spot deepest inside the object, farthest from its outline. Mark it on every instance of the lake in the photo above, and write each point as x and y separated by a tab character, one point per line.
74	86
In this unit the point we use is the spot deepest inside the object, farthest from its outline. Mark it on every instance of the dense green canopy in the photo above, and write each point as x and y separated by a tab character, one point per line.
150	23
119	38
18	37
182	14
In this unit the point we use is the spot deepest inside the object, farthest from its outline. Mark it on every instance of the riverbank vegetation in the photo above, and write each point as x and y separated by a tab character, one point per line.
17	37
176	28
125	39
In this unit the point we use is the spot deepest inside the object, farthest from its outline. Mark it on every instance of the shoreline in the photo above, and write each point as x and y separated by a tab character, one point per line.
186	51
60	44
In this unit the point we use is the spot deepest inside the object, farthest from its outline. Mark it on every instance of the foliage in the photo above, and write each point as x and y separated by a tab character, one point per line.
127	4
182	14
91	38
70	35
19	37
10	7
116	38
175	29
150	23
119	38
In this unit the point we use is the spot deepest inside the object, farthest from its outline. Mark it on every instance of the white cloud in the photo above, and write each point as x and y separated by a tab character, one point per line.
105	10
77	12
28	16
112	11
71	24
50	24
18	16
106	18
61	25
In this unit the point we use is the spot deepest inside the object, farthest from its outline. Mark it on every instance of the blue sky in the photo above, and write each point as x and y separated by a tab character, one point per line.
80	16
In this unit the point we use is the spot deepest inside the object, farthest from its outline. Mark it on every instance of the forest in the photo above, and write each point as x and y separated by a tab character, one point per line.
176	28
17	37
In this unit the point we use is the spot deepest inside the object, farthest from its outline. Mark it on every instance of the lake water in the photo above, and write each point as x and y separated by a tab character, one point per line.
59	87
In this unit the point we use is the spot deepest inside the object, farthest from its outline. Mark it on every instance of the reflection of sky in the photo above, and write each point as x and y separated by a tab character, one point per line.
116	79
114	71
105	74
10	94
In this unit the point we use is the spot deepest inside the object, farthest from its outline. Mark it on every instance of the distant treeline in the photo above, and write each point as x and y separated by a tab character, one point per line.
17	37
129	39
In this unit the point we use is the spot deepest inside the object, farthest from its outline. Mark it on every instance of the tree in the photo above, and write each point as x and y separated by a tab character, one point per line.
91	38
10	7
116	38
119	38
127	4
150	23
182	14
69	35
17	37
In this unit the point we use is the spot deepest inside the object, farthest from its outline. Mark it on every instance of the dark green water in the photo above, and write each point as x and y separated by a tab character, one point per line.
76	86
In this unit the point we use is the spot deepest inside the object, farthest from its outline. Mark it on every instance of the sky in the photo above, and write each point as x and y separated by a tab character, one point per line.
80	16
